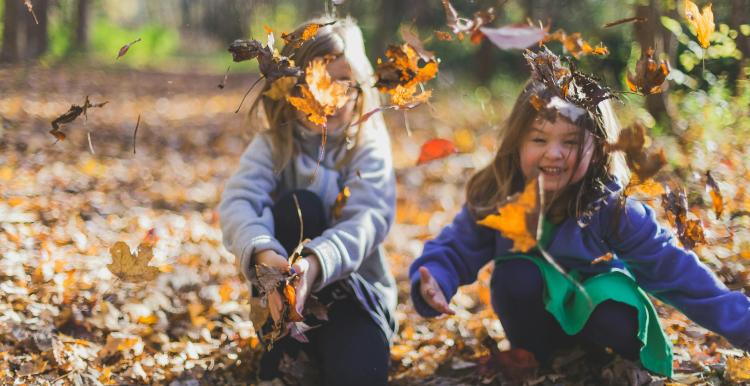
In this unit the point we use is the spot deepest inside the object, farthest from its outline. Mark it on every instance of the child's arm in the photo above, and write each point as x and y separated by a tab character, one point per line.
367	216
245	209
677	276
453	258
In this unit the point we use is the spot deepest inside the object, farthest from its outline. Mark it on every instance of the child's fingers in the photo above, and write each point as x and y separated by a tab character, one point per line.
275	306
439	303
424	275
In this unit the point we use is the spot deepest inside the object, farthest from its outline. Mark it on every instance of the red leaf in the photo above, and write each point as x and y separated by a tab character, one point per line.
435	149
514	36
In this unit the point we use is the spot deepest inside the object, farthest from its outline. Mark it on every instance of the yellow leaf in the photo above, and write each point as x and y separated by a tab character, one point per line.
516	220
320	96
738	370
131	268
702	21
340	203
280	88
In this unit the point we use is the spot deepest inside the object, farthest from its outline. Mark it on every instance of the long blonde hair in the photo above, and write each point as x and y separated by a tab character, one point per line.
342	38
493	184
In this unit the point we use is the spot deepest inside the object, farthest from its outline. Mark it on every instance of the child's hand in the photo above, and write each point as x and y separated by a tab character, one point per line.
431	292
273	259
308	268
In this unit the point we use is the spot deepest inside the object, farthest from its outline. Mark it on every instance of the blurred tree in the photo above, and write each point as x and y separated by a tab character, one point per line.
741	15
11	13
36	34
226	19
81	41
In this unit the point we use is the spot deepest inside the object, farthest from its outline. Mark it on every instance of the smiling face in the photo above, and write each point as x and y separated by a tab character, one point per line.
551	149
339	70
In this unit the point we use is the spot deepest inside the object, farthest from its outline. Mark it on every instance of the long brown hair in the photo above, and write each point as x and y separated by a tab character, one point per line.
341	38
493	184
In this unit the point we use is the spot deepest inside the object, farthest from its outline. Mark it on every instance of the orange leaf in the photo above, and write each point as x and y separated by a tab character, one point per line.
713	190
607	257
321	96
702	21
517	219
298	37
435	149
649	74
402	68
340	203
291	297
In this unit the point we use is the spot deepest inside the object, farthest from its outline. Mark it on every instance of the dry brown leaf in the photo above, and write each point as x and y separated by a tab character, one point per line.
129	267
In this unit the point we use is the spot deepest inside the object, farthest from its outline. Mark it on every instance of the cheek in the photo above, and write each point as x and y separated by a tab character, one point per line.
529	158
582	167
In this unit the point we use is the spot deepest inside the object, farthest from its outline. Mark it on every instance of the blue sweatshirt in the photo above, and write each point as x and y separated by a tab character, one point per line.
648	250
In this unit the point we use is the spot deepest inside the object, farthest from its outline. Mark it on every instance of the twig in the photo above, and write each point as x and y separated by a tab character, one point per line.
91	145
224	81
406	123
135	132
299	216
248	92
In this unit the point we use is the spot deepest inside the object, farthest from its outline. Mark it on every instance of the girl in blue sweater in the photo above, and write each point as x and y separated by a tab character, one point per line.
559	128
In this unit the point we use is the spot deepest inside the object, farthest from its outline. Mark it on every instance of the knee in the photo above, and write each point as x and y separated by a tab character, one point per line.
375	374
517	280
615	325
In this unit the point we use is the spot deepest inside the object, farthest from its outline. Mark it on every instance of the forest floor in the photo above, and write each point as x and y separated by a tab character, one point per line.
65	319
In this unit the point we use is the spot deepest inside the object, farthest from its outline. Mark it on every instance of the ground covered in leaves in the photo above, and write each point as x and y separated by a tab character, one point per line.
66	319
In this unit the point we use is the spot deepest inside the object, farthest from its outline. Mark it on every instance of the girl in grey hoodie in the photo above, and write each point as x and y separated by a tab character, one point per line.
344	264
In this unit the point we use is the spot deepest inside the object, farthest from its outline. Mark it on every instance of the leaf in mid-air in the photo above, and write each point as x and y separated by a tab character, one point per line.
702	21
717	201
518	218
435	149
649	74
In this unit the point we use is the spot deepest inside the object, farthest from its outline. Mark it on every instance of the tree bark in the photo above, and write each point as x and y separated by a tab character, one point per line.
81	41
740	14
9	53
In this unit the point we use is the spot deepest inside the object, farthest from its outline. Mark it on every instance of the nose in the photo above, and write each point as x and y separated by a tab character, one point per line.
554	152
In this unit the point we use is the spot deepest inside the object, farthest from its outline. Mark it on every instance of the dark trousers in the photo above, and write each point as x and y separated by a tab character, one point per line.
517	298
348	349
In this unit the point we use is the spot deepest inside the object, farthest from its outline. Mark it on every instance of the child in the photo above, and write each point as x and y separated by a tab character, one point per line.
344	264
540	310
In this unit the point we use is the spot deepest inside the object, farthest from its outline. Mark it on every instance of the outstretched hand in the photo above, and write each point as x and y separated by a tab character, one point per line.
431	292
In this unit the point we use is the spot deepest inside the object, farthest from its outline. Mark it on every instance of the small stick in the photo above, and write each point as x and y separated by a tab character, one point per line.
135	132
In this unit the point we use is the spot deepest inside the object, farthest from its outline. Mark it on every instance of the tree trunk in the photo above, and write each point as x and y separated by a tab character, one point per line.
9	53
36	34
227	19
740	14
81	41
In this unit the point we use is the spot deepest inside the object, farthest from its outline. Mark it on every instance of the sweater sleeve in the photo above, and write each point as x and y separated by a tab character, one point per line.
677	277
454	258
245	209
367	216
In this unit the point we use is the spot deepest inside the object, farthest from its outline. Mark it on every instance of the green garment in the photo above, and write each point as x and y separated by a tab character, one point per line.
569	305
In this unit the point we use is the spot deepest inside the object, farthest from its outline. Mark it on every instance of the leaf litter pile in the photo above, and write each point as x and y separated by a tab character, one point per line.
112	268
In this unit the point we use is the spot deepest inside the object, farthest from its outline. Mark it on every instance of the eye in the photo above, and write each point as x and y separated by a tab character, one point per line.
538	140
572	143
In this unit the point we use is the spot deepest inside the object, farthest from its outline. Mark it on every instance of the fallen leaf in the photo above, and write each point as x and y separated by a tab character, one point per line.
129	267
435	149
702	21
518	218
124	49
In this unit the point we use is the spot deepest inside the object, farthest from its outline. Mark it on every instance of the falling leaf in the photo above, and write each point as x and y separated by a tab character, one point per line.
738	369
716	198
634	19
340	203
435	149
402	68
649	74
321	96
444	36
271	66
129	267
124	49
407	97
689	231
517	219
575	45
702	21
70	116
631	141
224	81
607	257
281	88
30	8
648	188
297	38
460	26
518	36
411	37
135	131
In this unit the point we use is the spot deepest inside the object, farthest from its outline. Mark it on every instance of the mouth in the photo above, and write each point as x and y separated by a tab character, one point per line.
551	171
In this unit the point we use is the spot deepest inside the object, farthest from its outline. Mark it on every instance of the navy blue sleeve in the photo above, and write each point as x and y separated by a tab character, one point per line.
677	276
454	258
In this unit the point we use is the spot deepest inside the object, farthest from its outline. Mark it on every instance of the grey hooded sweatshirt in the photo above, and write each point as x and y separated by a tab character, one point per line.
350	249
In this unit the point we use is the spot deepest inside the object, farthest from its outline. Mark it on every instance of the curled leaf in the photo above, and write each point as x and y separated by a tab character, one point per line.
271	66
717	200
460	25
71	115
124	49
702	21
607	257
649	74
402	68
298	37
